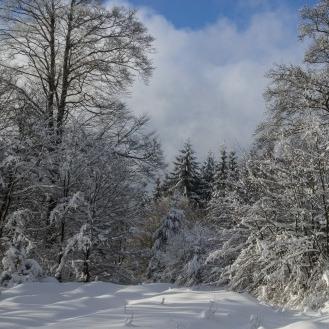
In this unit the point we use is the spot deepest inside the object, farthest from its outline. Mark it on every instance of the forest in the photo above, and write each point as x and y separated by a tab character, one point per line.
86	193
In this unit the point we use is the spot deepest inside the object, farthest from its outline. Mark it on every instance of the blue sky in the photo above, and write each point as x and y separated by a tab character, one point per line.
196	14
210	63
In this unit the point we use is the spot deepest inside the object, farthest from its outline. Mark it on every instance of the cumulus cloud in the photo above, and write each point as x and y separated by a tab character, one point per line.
208	83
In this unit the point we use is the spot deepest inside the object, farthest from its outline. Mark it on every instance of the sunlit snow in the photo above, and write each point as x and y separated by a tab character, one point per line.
101	305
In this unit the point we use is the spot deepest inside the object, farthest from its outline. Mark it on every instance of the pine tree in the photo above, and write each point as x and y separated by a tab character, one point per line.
225	196
225	215
208	177
157	194
233	165
166	185
185	177
221	174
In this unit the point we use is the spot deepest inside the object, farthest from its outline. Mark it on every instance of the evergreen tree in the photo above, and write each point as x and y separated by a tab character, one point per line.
208	177
225	196
166	185
157	190
221	174
233	165
185	177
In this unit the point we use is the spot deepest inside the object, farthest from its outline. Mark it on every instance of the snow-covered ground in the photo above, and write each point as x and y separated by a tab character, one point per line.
100	305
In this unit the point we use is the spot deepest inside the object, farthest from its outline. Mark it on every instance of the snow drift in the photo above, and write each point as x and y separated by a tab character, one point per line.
101	305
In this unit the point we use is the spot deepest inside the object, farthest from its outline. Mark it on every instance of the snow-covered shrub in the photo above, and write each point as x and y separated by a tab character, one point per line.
199	239
225	213
171	226
18	268
223	252
286	271
179	250
167	247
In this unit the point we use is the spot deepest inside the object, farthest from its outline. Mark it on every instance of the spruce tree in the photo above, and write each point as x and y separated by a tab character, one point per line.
166	186
157	194
207	177
225	194
233	174
221	174
232	162
185	177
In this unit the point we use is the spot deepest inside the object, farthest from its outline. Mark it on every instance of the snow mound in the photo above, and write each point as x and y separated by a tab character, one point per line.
305	325
100	305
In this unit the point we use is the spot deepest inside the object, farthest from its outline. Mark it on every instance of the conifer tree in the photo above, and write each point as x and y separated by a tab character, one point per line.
233	165
185	177
225	194
208	177
221	172
157	190
165	187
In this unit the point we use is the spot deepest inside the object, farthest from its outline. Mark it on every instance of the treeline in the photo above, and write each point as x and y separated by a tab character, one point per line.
197	182
189	213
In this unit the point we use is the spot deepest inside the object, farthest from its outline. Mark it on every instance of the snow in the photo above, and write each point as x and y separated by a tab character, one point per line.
100	305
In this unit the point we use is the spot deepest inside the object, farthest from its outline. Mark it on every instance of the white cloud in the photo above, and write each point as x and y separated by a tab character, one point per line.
208	84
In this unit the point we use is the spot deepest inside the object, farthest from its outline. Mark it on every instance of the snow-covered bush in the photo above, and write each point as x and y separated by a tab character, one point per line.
224	250
179	250
286	271
167	236
199	239
18	269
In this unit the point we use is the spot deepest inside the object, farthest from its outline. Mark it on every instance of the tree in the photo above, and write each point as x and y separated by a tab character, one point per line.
233	165
171	229
225	217
315	26
185	178
225	195
73	56
179	247
207	177
157	190
18	269
221	173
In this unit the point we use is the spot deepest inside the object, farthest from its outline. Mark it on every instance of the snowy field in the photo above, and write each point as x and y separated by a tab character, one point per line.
103	305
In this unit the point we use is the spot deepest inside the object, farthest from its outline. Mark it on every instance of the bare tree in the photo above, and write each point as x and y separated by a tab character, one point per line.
64	56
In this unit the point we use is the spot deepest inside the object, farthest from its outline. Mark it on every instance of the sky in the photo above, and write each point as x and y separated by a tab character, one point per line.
210	63
195	14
